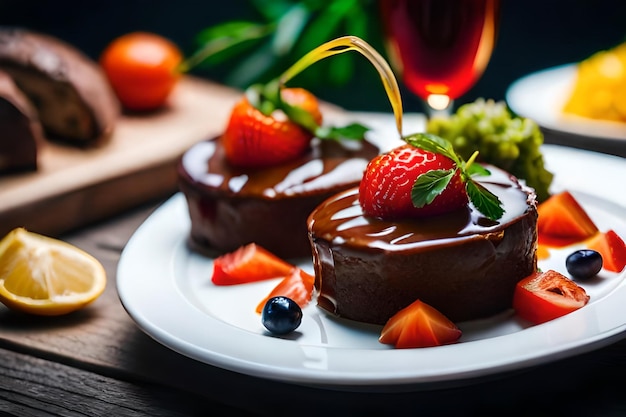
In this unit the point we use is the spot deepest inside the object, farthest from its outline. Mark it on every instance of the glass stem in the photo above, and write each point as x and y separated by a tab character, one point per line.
432	112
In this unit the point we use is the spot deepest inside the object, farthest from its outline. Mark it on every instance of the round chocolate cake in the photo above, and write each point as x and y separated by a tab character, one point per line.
230	207
461	263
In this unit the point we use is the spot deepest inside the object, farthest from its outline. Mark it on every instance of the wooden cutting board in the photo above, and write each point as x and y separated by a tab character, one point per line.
74	187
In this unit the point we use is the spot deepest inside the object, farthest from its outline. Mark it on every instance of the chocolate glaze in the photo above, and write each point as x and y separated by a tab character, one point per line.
231	206
461	263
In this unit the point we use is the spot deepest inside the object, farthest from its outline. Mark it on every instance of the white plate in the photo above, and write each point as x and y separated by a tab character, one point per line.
167	290
541	96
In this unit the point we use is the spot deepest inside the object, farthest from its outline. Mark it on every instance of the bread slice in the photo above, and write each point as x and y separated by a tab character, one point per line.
73	98
22	134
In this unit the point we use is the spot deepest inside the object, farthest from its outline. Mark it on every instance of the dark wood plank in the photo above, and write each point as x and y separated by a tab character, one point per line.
35	387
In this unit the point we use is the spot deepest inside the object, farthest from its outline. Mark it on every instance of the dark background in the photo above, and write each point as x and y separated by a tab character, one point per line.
534	35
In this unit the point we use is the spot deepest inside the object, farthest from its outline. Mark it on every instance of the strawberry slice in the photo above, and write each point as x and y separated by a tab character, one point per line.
563	221
612	248
419	325
298	286
545	296
259	139
249	263
387	184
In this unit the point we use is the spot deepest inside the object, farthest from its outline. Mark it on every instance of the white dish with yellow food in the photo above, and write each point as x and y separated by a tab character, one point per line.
542	97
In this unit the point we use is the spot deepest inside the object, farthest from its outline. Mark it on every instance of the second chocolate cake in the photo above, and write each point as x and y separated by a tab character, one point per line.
230	207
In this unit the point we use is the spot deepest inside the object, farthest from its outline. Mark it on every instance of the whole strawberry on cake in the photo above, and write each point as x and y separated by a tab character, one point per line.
424	225
275	162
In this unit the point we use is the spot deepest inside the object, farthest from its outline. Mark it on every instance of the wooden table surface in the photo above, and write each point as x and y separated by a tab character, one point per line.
97	362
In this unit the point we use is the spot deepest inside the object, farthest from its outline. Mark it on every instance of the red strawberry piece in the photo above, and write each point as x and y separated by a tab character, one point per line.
385	190
419	325
612	248
298	286
248	263
254	139
545	296
563	221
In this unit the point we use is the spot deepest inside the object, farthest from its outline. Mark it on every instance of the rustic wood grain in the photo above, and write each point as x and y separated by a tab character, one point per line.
31	386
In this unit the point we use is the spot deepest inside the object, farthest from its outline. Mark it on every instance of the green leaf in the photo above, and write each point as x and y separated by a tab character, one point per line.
484	200
352	131
300	116
357	22
433	143
251	69
326	23
224	41
429	185
289	29
341	69
232	29
477	169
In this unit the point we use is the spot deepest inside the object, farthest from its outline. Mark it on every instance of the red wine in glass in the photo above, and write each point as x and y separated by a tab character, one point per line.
440	47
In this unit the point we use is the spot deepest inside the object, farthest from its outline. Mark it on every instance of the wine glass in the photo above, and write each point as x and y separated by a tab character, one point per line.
439	48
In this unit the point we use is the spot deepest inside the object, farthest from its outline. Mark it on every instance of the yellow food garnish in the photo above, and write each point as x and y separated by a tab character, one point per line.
599	91
45	276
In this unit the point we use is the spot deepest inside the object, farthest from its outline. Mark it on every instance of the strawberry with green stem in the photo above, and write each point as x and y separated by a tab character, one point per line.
273	124
259	138
422	178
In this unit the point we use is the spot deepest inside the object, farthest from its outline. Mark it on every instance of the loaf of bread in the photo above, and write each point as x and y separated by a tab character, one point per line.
22	134
70	92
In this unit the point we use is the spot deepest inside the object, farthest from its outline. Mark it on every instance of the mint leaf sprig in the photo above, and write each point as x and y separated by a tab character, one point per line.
266	98
429	185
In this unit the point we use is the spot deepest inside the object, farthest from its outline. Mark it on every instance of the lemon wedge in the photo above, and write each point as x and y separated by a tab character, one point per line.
46	276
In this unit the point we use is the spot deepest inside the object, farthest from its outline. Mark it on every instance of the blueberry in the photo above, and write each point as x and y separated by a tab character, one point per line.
281	315
584	263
